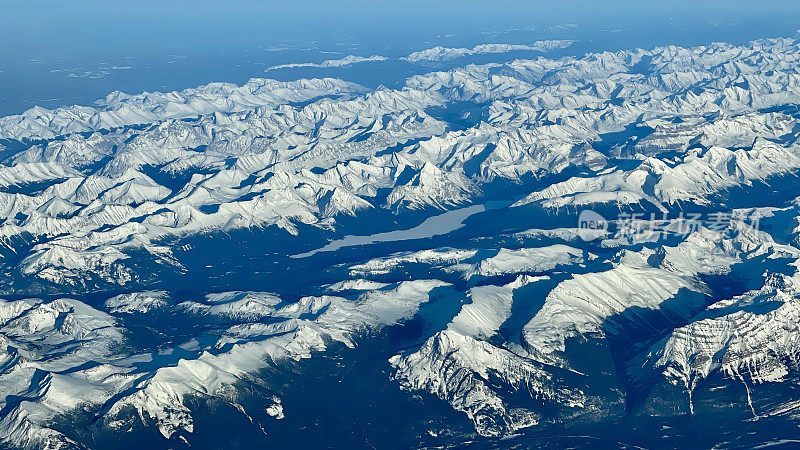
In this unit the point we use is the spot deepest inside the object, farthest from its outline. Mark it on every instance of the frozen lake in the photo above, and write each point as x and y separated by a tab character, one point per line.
432	226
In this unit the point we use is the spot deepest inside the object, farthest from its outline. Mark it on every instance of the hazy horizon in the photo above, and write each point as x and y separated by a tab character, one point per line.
76	53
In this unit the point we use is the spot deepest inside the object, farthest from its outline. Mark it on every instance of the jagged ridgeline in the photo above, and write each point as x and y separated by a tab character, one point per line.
405	266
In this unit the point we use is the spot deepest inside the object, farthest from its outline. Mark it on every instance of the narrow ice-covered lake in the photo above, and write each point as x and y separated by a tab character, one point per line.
432	226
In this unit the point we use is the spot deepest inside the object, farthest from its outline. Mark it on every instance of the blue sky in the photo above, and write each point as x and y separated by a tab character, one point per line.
58	52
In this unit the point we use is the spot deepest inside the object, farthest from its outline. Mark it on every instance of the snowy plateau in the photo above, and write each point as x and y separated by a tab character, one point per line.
168	272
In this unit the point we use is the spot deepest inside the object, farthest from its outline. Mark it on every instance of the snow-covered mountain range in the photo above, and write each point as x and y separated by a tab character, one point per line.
513	319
